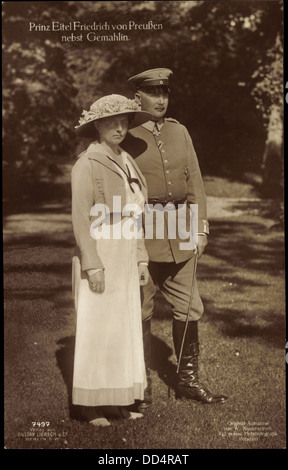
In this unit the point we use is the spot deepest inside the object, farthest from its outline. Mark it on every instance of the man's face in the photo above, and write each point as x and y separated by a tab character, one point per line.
154	100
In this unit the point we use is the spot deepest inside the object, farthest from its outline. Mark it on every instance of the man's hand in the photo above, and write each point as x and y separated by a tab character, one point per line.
202	242
97	282
143	274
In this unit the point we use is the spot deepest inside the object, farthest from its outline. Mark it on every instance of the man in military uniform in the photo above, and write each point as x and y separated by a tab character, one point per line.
163	150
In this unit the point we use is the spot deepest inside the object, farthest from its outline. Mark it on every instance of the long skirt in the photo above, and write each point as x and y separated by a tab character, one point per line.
109	366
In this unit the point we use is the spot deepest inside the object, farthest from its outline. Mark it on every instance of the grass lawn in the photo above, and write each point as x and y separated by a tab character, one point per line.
242	334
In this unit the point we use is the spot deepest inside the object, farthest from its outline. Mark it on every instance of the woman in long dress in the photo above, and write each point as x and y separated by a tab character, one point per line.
109	264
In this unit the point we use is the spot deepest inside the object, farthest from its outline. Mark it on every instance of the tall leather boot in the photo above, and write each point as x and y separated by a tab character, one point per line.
188	381
146	332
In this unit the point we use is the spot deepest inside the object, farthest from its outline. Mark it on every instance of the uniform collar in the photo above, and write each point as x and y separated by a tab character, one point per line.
150	125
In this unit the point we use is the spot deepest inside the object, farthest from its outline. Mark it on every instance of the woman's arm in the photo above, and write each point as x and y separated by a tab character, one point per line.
82	202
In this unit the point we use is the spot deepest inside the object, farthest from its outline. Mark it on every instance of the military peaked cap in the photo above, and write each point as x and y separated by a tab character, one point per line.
153	77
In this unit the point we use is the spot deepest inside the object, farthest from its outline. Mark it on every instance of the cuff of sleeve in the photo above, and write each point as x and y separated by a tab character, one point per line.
90	272
203	226
88	262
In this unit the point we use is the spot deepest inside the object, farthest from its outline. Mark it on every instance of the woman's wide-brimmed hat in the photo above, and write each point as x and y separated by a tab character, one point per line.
107	106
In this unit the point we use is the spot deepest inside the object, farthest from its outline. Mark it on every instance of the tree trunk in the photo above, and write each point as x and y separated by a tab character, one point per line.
272	165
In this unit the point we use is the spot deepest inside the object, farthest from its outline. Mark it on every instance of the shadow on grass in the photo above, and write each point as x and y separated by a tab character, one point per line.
161	362
53	239
65	362
242	259
235	323
58	295
249	245
37	196
160	351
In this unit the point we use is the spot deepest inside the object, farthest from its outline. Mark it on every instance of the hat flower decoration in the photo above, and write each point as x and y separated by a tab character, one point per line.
107	106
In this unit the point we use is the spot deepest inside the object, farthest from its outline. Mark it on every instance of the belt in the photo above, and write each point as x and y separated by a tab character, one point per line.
175	202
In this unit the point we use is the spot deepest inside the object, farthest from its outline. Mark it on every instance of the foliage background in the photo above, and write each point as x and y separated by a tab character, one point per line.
227	62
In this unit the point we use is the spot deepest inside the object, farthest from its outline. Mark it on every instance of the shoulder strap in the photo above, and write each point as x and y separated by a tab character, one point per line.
172	120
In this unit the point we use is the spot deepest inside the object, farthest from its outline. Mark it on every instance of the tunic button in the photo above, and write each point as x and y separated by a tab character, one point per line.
169	183
167	171
169	194
165	161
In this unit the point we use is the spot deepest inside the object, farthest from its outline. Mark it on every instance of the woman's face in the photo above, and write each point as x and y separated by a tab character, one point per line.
113	130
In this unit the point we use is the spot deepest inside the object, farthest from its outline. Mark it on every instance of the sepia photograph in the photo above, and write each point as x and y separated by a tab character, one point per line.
143	227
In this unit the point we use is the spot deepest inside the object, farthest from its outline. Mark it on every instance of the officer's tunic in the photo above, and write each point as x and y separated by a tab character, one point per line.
167	159
170	166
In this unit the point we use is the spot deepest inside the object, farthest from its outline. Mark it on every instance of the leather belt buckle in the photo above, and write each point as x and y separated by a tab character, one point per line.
170	205
167	203
179	202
